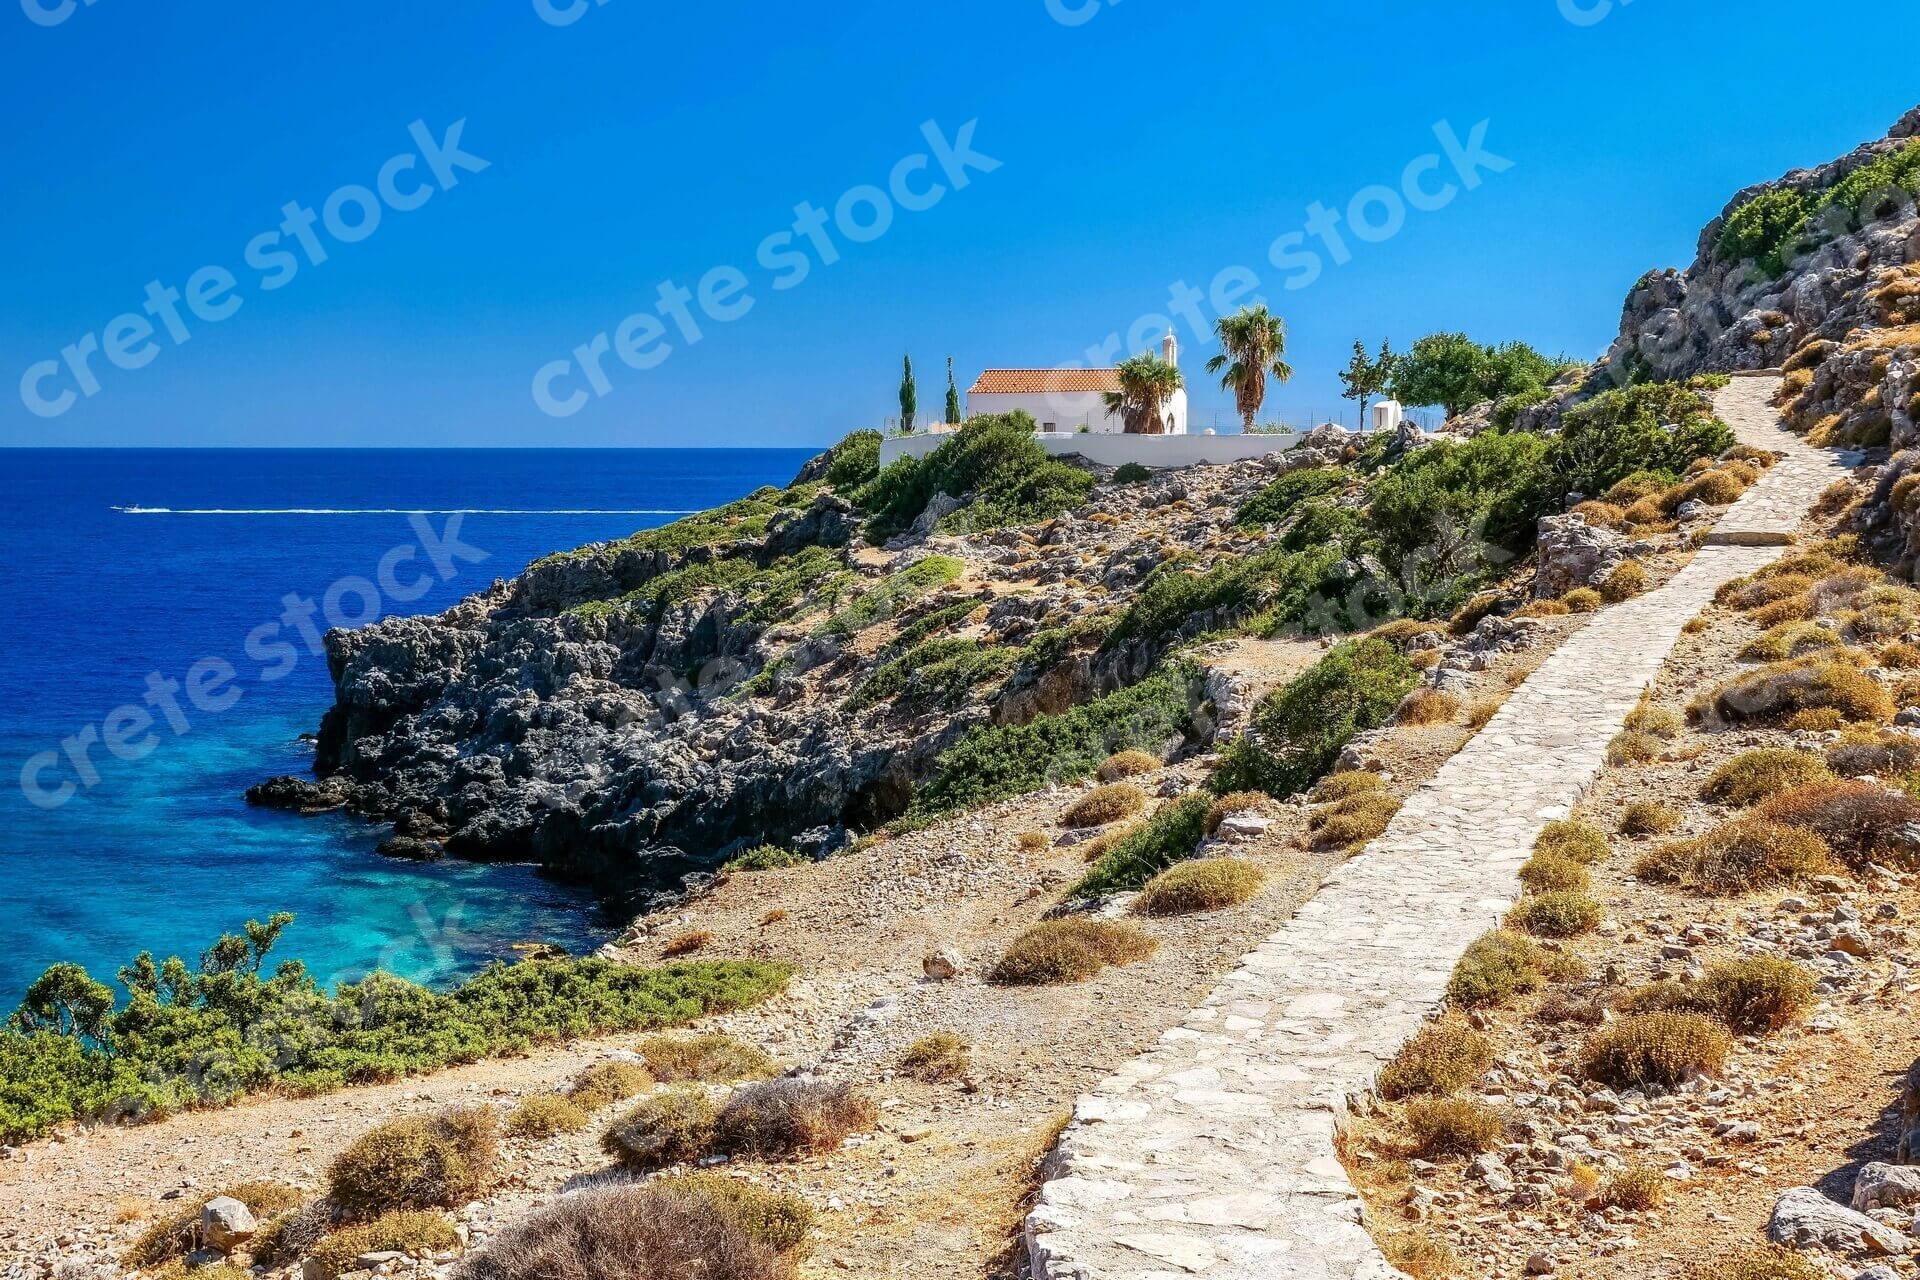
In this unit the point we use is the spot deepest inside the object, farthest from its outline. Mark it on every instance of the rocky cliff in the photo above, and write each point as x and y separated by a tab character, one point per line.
633	712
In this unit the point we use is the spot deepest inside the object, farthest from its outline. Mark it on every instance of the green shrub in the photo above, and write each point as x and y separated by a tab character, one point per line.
201	1037
1495	968
1655	1048
1204	884
854	461
766	857
1131	473
1762	230
1560	913
1280	498
675	1126
411	1233
1278	584
995	460
1496	484
1444	1057
711	1058
416	1163
1752	776
545	1115
1304	725
1753	995
605	1083
1549	872
995	762
1169	836
1070	949
894	592
1618	435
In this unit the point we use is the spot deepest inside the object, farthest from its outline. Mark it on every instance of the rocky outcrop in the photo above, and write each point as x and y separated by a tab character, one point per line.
1573	553
1805	1219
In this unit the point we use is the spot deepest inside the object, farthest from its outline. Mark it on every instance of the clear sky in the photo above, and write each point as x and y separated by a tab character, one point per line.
1139	143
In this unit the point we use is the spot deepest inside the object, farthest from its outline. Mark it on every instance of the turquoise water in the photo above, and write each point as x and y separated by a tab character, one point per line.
131	562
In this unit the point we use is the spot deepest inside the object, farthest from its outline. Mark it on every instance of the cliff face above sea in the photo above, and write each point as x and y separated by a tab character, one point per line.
776	670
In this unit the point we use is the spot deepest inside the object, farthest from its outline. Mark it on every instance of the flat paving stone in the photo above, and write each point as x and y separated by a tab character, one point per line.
1213	1154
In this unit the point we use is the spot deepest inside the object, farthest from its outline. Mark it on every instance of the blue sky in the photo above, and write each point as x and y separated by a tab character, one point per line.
1151	142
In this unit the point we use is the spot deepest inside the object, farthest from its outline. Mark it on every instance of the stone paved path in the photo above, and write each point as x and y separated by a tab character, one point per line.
1212	1155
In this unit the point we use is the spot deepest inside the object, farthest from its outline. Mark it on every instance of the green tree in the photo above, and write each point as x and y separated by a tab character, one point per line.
953	395
909	399
1366	377
66	1001
1252	343
1456	373
1147	384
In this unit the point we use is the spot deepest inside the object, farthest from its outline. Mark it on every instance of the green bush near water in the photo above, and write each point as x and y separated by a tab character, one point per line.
207	1036
995	460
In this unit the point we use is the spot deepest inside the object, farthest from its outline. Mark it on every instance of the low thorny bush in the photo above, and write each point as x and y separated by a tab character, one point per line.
1443	1057
1663	1049
1071	949
433	1162
1205	884
665	1229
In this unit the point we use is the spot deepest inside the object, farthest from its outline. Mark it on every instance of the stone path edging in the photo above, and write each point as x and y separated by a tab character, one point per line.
1213	1153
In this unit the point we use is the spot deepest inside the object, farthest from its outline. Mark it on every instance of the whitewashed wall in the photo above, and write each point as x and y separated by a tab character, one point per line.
1115	450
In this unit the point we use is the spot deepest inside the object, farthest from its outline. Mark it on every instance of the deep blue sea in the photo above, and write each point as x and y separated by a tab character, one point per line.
122	563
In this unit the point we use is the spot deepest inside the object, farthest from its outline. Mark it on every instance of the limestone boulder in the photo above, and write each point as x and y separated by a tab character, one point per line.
226	1223
1573	554
1805	1219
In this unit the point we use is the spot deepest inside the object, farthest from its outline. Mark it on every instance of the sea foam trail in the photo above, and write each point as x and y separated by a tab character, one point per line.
402	511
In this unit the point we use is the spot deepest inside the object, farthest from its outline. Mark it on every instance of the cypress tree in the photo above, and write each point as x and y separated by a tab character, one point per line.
909	398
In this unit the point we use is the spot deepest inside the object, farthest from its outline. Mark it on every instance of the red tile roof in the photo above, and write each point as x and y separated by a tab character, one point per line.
1015	382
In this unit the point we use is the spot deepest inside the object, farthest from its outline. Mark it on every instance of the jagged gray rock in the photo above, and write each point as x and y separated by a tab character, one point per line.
1805	1219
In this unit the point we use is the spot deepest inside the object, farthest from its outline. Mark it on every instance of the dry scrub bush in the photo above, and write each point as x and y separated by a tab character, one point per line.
413	1233
1562	1006
1753	995
1452	1127
1737	857
545	1115
687	943
1069	950
1633	748
1344	786
940	1056
1418	1255
1231	803
178	1234
1882	754
1648	818
1574	841
1482	711
605	1083
1582	600
1599	514
1655	721
1353	821
416	1163
1402	632
711	1058
660	1230
1097	848
1427	706
1127	764
1444	1057
1900	657
1762	1262
780	1220
1782	690
1547	872
672	1127
1105	804
1790	640
1752	776
1860	822
1542	609
1032	841
1500	965
1472	612
1634	1189
1663	1049
1624	583
1636	487
791	1117
287	1238
1559	913
1204	884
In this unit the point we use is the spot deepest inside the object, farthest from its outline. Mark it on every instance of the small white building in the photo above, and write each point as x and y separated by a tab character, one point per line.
1068	400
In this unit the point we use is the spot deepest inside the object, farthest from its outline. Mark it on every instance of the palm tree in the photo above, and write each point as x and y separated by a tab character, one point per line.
1147	384
1252	340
